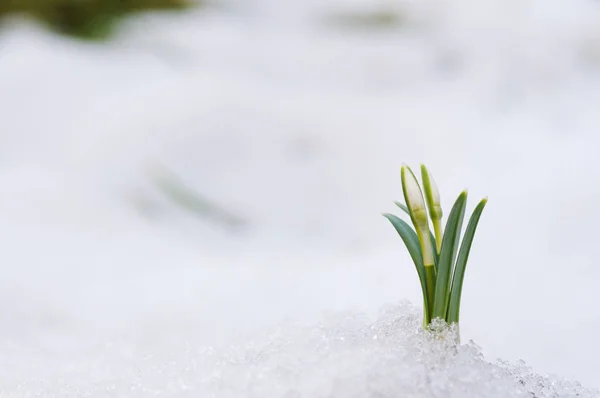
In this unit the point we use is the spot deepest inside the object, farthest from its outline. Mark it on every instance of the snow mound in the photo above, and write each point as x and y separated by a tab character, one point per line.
349	356
346	355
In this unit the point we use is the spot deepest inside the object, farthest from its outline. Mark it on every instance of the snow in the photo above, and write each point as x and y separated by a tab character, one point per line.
297	127
344	355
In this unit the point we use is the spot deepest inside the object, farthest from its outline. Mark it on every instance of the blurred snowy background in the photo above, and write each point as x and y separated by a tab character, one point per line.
287	123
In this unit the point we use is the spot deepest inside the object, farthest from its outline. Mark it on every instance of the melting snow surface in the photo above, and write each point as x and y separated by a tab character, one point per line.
346	355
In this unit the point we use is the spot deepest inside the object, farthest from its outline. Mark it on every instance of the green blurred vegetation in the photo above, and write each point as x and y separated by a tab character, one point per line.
88	19
190	199
375	19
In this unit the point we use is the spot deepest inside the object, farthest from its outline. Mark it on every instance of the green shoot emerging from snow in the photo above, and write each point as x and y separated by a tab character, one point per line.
440	257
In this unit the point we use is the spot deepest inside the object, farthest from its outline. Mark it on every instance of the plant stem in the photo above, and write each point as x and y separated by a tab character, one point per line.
437	228
429	265
430	277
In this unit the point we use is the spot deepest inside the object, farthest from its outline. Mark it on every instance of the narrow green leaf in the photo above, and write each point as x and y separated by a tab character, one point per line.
402	206
447	253
433	240
454	253
461	263
410	239
191	200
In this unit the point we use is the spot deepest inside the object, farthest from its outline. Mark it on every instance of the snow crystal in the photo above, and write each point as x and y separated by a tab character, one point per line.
345	355
348	356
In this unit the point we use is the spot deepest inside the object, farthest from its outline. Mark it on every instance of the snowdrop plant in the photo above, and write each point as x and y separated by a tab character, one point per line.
439	257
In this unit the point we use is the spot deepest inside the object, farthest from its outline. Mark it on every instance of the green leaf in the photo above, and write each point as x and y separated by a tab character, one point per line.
461	263
410	239
433	241
191	200
454	253
402	206
446	260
